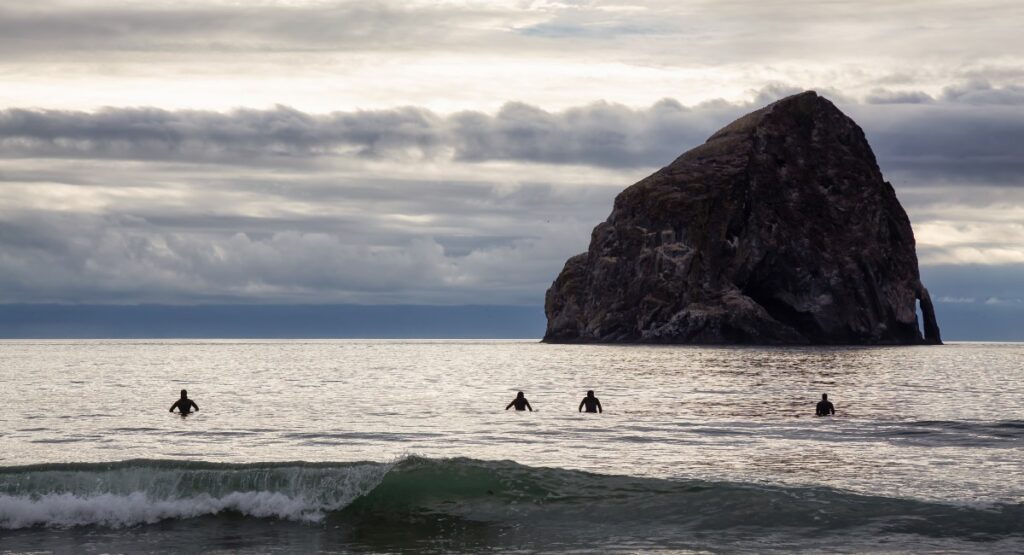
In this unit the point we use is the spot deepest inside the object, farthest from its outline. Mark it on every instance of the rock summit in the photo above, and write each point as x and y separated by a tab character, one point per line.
778	230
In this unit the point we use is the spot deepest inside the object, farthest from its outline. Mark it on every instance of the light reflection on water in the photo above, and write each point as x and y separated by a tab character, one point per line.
923	422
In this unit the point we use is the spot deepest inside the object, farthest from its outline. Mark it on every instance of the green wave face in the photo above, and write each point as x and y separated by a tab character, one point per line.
553	503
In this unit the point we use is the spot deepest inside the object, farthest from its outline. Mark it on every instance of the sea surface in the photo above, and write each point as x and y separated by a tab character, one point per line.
406	446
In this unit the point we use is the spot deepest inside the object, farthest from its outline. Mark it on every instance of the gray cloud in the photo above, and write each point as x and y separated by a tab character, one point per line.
712	31
919	144
50	257
885	96
150	133
233	237
981	91
325	55
408	205
43	29
413	205
600	134
973	133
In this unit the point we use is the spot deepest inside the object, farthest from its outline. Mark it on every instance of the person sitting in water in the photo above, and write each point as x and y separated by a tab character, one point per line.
520	403
184	405
592	403
824	408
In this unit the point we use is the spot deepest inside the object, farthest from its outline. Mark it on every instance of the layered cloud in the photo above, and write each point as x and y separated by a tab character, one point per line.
413	206
960	137
47	29
459	152
322	55
598	134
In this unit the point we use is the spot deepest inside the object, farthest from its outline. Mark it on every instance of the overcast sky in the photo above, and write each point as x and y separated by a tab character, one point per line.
459	152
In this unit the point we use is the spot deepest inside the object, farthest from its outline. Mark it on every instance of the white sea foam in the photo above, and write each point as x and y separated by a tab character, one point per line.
116	511
144	492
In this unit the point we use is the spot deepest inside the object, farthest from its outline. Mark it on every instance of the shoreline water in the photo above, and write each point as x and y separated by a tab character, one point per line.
371	499
699	449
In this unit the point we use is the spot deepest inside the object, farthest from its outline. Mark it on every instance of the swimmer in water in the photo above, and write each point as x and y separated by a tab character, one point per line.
592	403
520	403
184	405
824	407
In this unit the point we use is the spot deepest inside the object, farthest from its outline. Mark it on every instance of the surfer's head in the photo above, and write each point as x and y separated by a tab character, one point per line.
519	395
824	396
184	394
590	393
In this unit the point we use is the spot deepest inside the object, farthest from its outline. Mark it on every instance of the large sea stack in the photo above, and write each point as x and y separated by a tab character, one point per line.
777	230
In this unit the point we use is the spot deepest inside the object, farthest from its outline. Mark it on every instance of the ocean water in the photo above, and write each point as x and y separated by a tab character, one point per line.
405	446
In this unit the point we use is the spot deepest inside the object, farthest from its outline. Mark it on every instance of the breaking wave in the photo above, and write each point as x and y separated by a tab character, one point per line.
146	491
135	492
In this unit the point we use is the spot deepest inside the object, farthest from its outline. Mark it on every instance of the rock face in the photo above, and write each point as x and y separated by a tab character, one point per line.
778	230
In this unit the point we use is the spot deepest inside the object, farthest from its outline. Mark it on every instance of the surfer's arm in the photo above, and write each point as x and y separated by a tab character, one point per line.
194	405
510	405
528	406
599	409
172	406
581	406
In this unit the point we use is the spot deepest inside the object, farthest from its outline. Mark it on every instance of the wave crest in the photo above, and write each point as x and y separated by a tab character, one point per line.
143	492
139	492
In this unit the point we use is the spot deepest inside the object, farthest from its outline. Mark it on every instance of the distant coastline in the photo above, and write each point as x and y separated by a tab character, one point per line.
266	321
965	321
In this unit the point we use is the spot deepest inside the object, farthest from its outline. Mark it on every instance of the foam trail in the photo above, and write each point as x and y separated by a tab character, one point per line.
118	511
143	492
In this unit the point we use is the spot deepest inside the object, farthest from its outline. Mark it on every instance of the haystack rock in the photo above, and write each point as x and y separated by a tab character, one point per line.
777	230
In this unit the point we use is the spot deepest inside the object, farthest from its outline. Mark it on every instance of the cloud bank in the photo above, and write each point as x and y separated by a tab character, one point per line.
409	205
324	55
975	132
309	151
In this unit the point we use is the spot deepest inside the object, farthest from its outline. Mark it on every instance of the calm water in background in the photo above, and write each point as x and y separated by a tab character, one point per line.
708	447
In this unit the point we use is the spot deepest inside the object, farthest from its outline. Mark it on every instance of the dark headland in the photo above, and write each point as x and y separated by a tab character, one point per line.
778	230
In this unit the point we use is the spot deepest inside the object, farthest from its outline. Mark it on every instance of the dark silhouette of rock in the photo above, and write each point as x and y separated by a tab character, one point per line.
778	230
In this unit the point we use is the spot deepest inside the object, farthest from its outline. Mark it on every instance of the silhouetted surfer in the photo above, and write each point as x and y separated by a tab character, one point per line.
592	403
520	403
824	408
184	405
